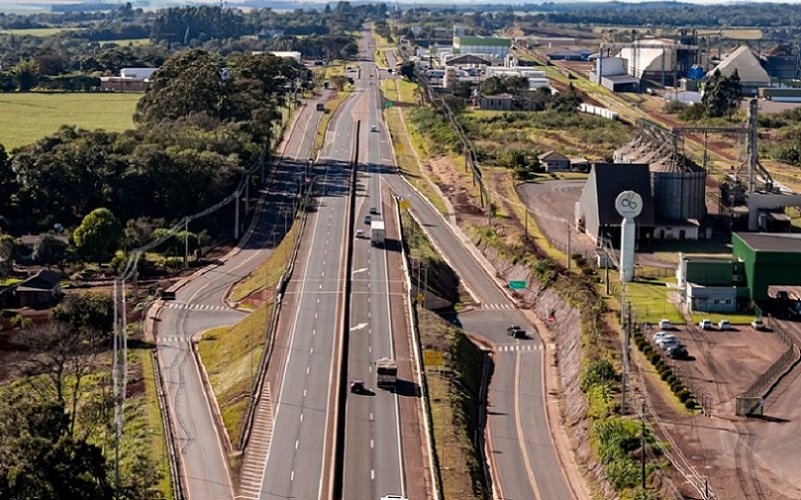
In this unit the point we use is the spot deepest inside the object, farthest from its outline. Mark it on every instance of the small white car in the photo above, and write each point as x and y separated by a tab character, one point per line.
705	324
360	233
659	336
666	340
724	324
665	324
373	128
758	324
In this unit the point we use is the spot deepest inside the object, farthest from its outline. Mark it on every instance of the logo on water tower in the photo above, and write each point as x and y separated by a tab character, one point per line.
628	204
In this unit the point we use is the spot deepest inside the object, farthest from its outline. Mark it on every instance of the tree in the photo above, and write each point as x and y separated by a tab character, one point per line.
722	94
49	249
26	71
407	71
567	101
91	313
340	81
99	234
6	255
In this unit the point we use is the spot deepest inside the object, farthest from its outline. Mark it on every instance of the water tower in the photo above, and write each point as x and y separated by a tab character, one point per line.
629	205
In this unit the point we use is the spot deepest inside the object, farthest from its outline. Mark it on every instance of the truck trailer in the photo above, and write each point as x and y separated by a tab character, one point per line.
386	373
377	233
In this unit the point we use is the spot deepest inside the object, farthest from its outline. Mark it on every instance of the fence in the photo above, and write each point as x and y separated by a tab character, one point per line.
763	385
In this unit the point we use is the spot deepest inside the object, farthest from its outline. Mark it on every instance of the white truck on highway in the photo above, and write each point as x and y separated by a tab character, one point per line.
386	373
377	233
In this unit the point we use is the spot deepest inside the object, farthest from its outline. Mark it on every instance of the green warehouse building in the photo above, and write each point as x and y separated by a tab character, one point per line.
770	259
728	284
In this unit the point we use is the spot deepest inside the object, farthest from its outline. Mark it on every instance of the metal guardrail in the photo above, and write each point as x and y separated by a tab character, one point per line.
415	326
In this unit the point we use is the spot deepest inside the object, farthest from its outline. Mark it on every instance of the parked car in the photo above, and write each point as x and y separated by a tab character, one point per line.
677	352
373	128
665	324
670	343
705	324
360	233
758	324
373	210
659	336
666	339
368	219
724	324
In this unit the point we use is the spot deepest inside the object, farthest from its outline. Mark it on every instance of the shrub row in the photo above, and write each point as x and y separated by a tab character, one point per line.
664	371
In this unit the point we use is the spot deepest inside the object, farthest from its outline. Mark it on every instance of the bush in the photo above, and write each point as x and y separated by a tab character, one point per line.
690	404
654	358
664	374
673	106
598	372
586	271
683	395
671	379
676	386
692	113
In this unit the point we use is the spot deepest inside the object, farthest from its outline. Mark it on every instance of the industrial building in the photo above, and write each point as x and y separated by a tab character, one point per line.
610	72
769	259
649	59
595	212
759	262
492	46
749	69
677	183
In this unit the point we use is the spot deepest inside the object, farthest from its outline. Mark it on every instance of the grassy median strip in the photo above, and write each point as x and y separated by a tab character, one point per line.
330	108
453	394
231	357
407	142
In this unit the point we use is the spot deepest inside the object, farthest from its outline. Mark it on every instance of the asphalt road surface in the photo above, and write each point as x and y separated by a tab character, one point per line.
299	455
373	454
523	460
199	305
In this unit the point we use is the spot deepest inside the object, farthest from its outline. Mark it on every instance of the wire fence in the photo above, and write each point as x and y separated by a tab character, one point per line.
762	384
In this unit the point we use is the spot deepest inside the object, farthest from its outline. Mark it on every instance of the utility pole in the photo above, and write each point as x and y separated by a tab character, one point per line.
236	216
186	242
568	245
642	447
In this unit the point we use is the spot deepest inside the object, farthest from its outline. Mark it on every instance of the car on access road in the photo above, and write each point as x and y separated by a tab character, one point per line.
724	324
659	335
758	324
516	332
705	324
665	324
677	352
666	339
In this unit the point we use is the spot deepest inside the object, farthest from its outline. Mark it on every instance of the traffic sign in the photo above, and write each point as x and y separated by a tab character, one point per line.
388	104
433	359
517	285
420	298
404	204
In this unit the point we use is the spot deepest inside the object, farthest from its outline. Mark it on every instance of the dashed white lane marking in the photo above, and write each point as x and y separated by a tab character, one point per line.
308	369
372	474
297	443
292	476
301	417
372	444
304	393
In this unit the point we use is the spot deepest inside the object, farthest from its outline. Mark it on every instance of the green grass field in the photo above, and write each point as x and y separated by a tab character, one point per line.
40	32
25	118
127	41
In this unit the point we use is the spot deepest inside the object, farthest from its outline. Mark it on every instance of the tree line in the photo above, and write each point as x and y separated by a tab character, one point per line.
202	121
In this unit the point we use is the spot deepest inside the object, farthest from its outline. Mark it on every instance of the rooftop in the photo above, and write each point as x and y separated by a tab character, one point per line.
482	40
772	242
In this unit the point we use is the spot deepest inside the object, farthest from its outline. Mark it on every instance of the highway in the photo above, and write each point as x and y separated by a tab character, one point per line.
200	305
373	453
523	460
302	374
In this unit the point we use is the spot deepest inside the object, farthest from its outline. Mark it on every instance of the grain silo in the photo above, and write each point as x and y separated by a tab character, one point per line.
677	182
